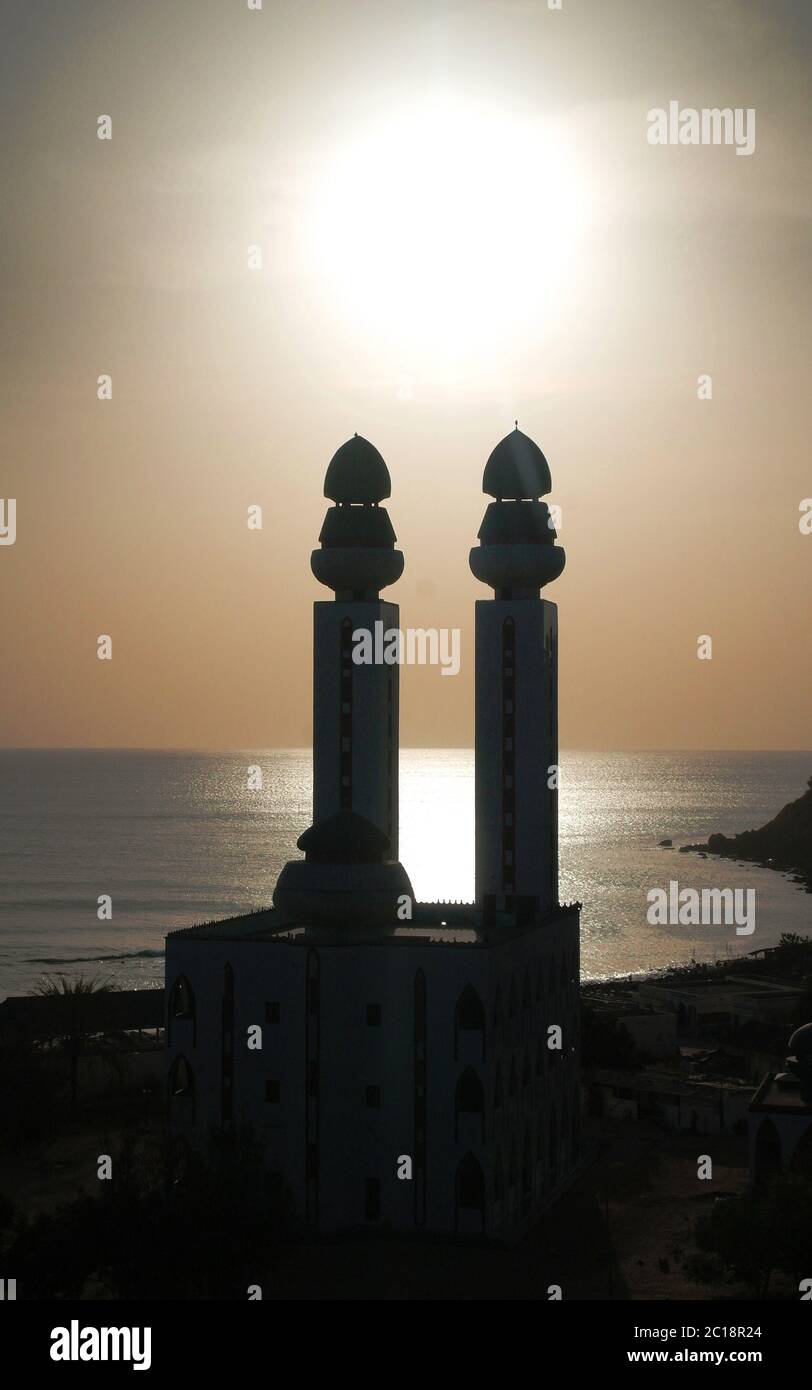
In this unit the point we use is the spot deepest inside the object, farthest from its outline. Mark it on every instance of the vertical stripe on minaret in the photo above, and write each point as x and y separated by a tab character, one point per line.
356	702
516	689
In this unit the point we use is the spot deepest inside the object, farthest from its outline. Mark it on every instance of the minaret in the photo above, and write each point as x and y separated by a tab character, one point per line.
516	688
355	706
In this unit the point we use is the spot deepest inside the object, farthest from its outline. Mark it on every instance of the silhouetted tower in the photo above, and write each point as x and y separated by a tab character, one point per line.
516	687
355	706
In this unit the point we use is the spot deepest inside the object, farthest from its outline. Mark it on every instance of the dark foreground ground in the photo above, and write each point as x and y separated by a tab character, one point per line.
622	1232
613	1236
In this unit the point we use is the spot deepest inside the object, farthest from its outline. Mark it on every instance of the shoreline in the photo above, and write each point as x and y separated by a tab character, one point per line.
675	970
783	844
798	874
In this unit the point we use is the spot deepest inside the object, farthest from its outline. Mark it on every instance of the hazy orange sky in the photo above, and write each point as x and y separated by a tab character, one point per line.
461	222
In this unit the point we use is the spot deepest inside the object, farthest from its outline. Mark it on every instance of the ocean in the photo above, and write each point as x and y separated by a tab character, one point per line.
176	838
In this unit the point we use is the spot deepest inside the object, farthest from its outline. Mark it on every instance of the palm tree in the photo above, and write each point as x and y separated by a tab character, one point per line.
76	1027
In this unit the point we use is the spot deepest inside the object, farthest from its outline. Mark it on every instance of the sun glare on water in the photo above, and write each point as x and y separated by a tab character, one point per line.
449	229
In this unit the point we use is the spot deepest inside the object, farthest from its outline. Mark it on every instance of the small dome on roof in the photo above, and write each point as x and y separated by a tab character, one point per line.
357	473
517	468
346	836
800	1044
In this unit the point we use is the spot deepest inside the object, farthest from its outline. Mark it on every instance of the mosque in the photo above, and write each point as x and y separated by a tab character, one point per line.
406	1064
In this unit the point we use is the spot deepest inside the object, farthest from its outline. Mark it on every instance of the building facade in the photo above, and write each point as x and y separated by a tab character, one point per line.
407	1065
780	1115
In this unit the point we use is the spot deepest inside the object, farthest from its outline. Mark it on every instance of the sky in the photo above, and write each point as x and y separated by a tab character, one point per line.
418	221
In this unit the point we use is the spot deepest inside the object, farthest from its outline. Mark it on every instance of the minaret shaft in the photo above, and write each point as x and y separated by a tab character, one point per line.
516	755
355	717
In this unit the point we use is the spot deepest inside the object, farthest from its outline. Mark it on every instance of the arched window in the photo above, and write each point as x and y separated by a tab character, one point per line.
469	1017
182	1006
182	999
470	1096
181	1083
801	1161
470	1185
180	1078
469	1100
180	1157
768	1151
470	1010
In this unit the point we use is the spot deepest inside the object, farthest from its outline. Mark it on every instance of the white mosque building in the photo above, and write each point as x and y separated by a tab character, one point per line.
406	1064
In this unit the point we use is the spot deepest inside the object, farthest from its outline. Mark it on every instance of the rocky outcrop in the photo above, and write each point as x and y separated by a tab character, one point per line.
784	843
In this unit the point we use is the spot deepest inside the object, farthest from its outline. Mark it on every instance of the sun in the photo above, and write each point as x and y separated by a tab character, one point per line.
448	229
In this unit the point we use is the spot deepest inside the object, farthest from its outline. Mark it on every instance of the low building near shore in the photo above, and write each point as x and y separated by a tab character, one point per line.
30	1018
673	1101
92	1044
653	1032
710	1007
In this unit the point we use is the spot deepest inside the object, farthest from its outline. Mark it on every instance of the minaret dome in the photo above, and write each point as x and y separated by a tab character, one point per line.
357	473
517	554
357	557
517	468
